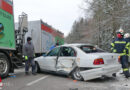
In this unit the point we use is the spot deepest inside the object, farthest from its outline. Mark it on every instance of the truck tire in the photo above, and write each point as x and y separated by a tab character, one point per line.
76	75
4	65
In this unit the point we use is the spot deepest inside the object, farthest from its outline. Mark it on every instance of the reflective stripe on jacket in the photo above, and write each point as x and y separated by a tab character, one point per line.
128	45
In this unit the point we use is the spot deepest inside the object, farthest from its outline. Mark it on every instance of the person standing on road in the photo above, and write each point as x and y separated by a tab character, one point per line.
127	37
28	51
120	45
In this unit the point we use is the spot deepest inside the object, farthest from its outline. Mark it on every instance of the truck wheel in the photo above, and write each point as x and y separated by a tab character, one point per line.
4	65
37	68
76	75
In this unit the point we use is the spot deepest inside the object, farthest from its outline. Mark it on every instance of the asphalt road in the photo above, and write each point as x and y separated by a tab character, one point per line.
45	81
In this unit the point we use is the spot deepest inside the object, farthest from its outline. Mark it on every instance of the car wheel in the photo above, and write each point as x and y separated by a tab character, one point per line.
114	74
37	68
4	65
76	75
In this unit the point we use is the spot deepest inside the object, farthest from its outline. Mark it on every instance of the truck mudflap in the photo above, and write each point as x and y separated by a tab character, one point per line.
99	72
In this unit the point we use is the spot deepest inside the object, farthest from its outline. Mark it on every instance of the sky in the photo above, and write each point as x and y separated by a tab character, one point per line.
60	14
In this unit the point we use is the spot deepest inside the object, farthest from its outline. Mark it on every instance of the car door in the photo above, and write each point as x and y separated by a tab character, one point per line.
49	62
66	60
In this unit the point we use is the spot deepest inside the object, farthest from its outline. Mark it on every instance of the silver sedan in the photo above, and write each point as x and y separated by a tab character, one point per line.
80	61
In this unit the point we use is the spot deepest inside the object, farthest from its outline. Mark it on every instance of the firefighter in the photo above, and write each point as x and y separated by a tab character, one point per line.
127	37
120	45
28	51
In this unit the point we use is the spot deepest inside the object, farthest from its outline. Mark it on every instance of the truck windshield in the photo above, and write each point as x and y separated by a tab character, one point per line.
90	49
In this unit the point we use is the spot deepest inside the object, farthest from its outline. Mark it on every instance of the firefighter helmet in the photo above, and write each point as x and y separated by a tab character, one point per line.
121	31
127	35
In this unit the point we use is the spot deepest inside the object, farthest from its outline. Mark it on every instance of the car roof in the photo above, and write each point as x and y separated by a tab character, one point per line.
77	44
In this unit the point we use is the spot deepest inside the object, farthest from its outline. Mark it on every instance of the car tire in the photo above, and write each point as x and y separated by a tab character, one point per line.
76	75
4	65
114	74
37	67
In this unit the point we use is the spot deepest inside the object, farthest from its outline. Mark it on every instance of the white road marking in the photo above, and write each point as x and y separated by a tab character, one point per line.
33	82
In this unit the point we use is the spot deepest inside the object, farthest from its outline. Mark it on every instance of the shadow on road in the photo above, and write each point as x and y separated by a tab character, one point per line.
104	79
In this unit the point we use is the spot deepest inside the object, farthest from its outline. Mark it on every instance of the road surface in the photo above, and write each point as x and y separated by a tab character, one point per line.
46	81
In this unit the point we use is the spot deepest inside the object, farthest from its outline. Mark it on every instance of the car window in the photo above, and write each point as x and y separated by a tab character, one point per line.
54	52
68	51
90	49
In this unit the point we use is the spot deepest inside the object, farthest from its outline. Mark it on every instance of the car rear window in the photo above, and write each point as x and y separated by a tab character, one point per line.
90	49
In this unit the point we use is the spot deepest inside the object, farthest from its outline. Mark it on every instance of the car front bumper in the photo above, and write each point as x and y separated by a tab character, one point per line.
99	72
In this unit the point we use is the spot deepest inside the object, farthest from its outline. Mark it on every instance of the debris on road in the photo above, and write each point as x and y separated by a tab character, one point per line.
12	75
1	84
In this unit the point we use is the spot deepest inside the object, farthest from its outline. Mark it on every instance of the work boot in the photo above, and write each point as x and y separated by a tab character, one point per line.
121	73
34	74
26	73
127	76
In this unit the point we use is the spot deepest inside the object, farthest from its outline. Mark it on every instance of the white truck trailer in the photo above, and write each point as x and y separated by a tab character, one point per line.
43	36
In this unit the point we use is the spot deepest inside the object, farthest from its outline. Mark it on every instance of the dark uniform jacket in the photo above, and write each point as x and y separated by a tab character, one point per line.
120	46
128	39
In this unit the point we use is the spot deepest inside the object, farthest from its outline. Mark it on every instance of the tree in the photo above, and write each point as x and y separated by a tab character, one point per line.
107	16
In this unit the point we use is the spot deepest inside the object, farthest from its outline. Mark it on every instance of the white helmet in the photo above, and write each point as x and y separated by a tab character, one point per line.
127	35
121	30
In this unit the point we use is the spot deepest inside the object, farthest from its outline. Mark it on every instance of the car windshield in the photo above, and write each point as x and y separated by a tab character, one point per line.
90	49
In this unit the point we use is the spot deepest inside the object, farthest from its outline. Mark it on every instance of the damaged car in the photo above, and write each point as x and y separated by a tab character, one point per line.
80	61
